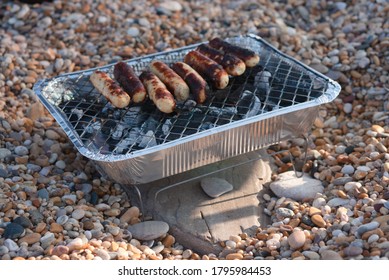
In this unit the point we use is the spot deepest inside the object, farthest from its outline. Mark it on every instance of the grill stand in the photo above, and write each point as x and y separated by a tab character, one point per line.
154	199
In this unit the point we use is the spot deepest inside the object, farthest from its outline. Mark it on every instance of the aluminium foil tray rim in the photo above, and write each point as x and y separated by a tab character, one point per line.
330	94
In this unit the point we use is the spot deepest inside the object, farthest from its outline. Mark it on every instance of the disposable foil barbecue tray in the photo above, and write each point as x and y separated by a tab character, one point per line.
274	101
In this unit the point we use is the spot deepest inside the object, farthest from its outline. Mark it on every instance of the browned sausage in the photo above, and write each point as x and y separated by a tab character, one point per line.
207	68
110	89
196	83
231	63
129	81
174	83
249	57
158	92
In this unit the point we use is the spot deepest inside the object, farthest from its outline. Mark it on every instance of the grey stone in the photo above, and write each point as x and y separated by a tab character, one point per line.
23	221
11	245
4	152
47	239
342	181
335	202
3	173
133	32
348	169
330	255
366	227
36	217
284	212
148	230
215	187
352	251
3	250
288	185
13	231
44	194
21	151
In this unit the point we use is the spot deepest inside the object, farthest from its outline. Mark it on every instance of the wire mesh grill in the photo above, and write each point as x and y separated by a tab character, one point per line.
272	85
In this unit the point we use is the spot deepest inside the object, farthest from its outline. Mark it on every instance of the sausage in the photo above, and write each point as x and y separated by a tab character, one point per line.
249	57
231	63
158	92
110	89
196	83
129	81
174	83
207	68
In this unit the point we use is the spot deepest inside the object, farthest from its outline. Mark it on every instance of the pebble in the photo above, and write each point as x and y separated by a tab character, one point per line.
44	194
4	153
347	108
348	169
133	31
75	244
284	212
131	213
215	187
288	185
366	227
352	251
335	202
148	230
318	220
23	221
311	255
297	239
30	238
21	151
330	255
11	245
13	231
78	214
47	239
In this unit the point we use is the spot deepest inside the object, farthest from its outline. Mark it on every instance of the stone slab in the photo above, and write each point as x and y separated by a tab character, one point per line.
200	222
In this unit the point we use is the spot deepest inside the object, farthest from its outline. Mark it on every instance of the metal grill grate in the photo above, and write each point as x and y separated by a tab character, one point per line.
272	85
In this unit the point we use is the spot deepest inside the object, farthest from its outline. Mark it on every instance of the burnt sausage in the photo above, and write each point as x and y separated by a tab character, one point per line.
231	63
158	92
196	83
249	57
110	89
208	69
129	81
174	83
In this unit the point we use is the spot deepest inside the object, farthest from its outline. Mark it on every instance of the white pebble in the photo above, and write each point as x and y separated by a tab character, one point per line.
348	169
347	108
373	238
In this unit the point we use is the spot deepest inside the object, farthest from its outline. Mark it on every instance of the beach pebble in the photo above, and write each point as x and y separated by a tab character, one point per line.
288	185
13	231
366	227
296	239
148	230
215	187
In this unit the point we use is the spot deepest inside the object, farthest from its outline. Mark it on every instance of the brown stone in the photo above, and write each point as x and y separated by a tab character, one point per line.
40	227
60	250
314	211
367	234
318	220
168	241
36	111
30	238
297	239
56	228
234	256
132	212
112	212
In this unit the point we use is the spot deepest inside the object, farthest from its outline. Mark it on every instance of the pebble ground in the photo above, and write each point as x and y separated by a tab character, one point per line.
53	203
